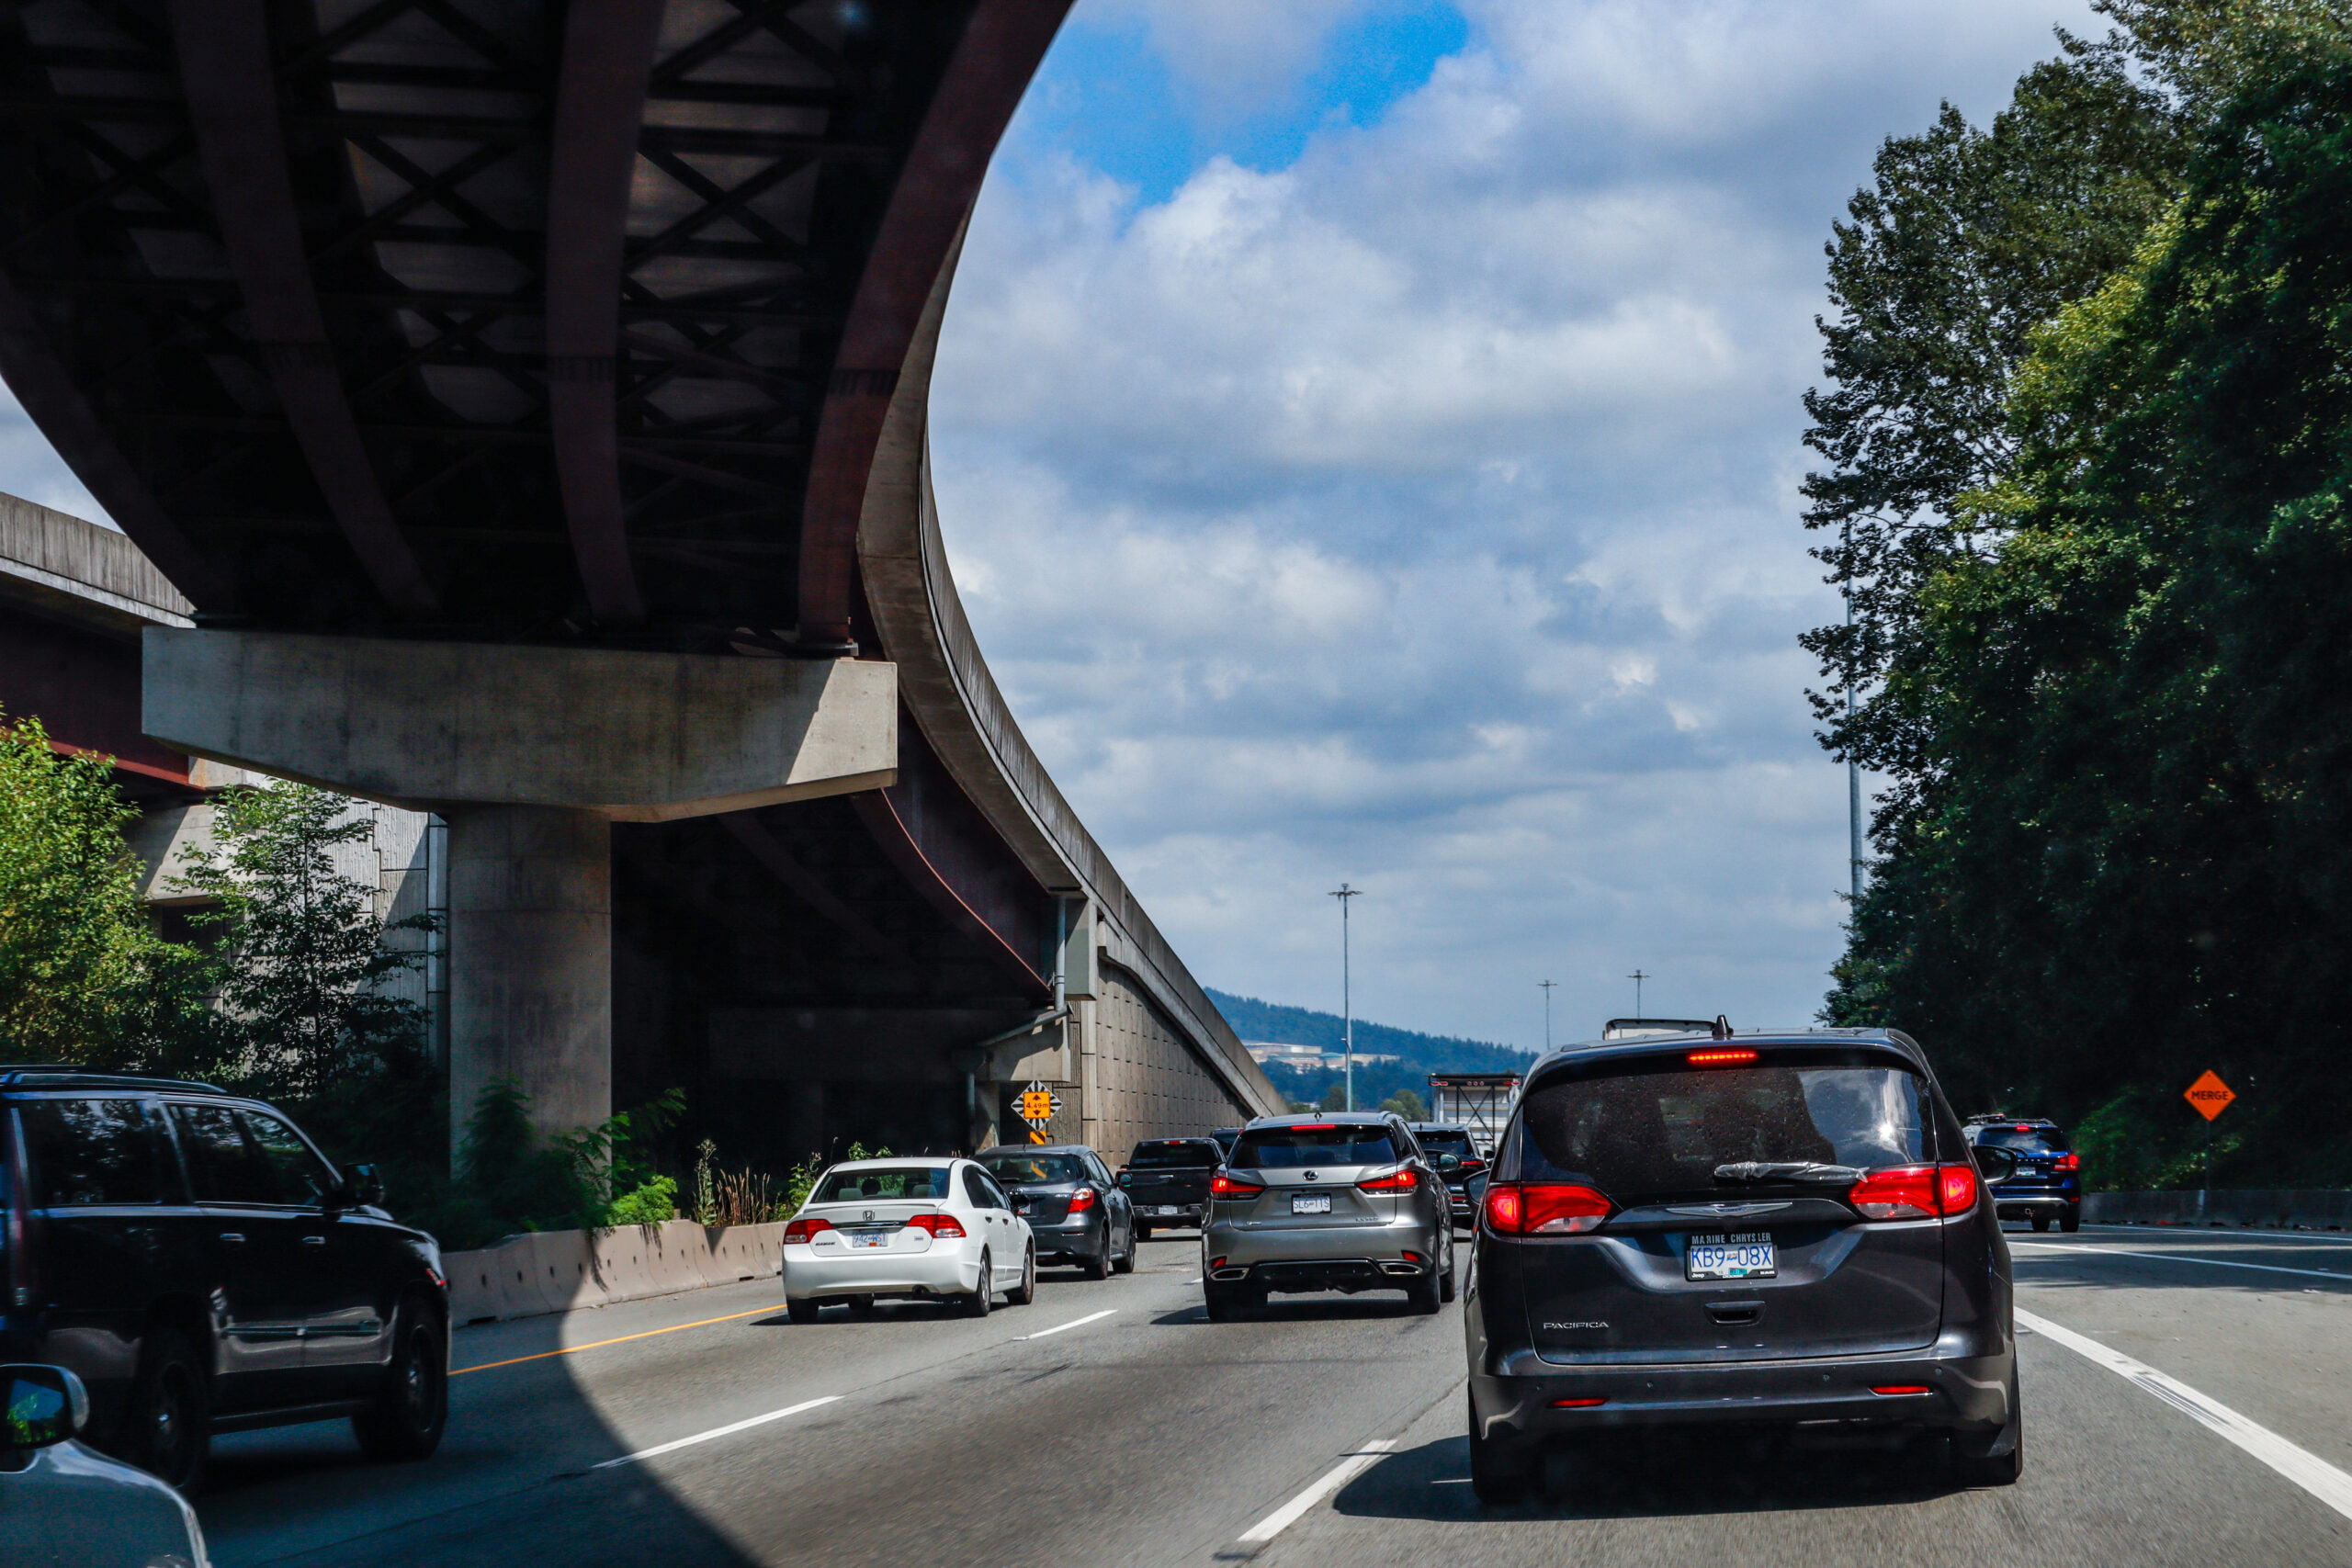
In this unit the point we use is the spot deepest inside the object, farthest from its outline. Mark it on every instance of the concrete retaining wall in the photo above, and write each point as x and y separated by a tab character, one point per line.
2317	1209
524	1276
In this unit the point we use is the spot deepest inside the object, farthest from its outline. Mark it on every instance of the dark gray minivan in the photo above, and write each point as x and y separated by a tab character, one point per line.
1766	1229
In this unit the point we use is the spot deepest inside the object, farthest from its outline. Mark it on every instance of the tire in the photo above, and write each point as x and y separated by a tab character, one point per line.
2040	1222
802	1312
413	1407
1027	1292
1421	1297
1126	1260
1143	1233
2072	1221
1501	1471
1446	1287
2000	1468
166	1429
982	1301
1098	1266
861	1306
1223	1303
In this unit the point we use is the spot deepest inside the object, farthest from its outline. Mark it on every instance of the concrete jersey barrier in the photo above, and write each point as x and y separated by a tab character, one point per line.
2313	1209
547	1271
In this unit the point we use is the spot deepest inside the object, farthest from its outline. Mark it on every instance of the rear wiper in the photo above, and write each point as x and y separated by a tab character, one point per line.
1789	1170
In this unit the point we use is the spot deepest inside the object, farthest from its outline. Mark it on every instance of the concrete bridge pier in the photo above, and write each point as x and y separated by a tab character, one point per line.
531	753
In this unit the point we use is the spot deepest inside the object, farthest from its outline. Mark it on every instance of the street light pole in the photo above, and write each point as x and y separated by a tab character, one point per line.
1347	1002
1637	978
1547	986
1853	768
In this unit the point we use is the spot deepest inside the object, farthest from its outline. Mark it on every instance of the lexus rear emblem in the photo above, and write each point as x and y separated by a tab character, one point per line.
1310	1175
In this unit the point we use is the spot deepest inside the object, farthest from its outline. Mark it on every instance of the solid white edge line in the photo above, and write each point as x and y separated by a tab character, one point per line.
2340	1278
728	1430
1073	1323
2303	1467
2234	1233
1347	1470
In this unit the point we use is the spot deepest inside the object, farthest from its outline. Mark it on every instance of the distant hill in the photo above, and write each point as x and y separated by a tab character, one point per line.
1418	1054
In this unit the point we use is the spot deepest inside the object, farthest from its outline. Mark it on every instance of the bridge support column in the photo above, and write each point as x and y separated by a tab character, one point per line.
531	961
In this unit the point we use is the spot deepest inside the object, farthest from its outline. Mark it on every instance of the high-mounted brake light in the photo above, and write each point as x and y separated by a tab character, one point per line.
1576	1404
1395	1181
1224	1186
1721	1057
1914	1191
942	1227
1515	1208
2023	1127
805	1231
1081	1199
1314	1127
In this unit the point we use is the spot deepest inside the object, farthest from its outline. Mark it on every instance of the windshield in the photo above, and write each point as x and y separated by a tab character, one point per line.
1031	1170
2033	1140
1645	1135
883	1182
1277	1149
1168	1157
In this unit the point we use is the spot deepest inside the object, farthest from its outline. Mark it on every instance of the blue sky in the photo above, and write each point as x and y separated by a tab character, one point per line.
1367	438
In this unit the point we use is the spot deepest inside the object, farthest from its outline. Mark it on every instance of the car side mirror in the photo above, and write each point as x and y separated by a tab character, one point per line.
40	1406
1995	1165
1448	1164
362	1187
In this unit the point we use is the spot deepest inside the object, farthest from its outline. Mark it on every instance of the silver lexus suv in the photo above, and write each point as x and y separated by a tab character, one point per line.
1326	1202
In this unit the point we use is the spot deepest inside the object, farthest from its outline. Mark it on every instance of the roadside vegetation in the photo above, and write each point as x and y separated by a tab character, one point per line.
2088	439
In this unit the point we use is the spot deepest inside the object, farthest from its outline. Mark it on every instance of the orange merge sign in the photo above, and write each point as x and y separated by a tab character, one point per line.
2211	1095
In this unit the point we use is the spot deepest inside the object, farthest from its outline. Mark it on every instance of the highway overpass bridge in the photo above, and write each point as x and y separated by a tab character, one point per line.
529	401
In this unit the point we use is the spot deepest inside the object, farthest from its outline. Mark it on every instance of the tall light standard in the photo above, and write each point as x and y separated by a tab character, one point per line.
1853	768
1347	1004
1637	978
1547	986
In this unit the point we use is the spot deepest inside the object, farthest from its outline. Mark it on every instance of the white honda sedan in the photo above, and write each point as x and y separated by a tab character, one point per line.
911	1229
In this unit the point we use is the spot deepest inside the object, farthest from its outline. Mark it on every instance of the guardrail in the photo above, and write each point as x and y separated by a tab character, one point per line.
545	1272
2309	1209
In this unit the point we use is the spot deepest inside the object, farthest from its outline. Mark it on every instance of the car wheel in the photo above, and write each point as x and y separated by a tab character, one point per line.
2072	1221
800	1311
413	1406
1445	1279
1500	1470
983	1298
1127	1263
1221	1303
1143	1233
860	1306
1027	1292
1098	1266
166	1431
1421	1295
1998	1468
2040	1222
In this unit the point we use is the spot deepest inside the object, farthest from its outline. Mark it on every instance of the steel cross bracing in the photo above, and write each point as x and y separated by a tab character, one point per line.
455	317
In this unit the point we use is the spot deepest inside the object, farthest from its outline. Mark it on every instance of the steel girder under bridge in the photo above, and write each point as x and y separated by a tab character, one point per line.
530	400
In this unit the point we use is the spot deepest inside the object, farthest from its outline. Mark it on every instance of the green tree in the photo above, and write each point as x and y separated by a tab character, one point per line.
83	978
1407	1104
303	952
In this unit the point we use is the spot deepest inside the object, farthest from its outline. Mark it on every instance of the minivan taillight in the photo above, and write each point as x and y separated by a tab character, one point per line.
1224	1186
1395	1181
1914	1191
942	1227
1544	1208
805	1231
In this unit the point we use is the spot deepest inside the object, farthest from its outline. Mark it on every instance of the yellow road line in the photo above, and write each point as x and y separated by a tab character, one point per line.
621	1340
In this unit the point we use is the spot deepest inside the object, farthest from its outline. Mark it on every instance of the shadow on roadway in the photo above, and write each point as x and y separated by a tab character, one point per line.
1628	1475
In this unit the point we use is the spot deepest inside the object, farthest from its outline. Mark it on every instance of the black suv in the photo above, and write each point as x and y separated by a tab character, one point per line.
2048	1182
1767	1230
205	1270
1463	1182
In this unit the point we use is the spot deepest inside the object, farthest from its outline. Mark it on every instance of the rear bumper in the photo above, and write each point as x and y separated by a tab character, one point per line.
1970	1395
1156	1214
2028	1205
1342	1257
953	1270
1085	1237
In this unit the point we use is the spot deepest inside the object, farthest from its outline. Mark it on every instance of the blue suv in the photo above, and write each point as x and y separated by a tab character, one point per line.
2048	1184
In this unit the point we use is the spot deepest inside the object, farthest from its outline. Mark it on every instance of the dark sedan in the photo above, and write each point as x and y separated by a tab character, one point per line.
1074	1209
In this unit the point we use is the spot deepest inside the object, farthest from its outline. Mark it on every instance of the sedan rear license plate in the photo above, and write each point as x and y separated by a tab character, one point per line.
1746	1255
869	1238
1310	1203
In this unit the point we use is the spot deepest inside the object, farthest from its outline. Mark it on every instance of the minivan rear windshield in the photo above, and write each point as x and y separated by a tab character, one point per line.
1278	1148
1169	1157
2033	1140
1640	1136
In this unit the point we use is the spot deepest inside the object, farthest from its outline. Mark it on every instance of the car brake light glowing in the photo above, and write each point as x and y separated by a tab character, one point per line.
805	1231
1576	1404
1901	1388
1722	1057
2068	1162
1544	1208
1224	1186
1314	1127
1914	1191
942	1227
1081	1200
2023	1128
1395	1181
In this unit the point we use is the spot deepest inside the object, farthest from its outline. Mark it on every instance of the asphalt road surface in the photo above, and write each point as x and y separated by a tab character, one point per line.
2187	1398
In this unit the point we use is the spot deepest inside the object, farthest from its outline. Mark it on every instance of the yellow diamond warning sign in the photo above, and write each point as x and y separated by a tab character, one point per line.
1037	1104
2211	1095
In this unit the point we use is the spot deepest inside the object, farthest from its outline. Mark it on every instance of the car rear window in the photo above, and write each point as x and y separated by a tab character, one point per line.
1170	1156
883	1182
1277	1149
1444	1142
2033	1140
1639	1135
1034	1169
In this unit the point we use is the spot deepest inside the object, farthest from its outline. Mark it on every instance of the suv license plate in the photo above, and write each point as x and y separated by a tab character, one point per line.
1166	1209
1746	1255
1310	1203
